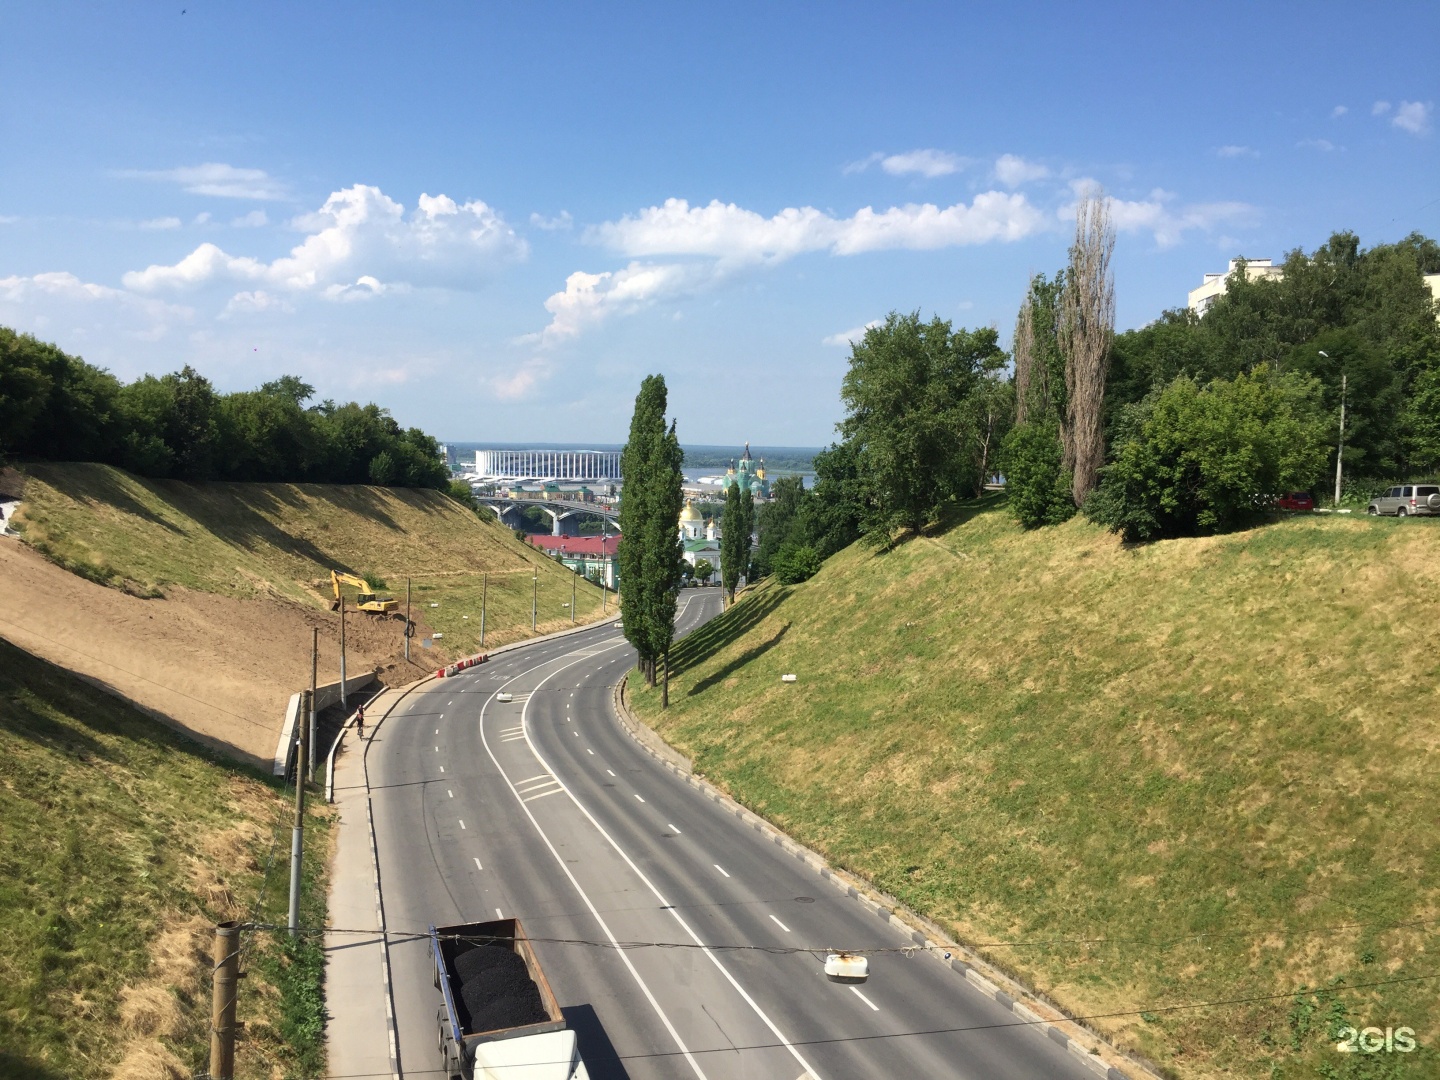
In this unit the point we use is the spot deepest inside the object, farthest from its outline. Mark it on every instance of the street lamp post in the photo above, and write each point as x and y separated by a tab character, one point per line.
1340	446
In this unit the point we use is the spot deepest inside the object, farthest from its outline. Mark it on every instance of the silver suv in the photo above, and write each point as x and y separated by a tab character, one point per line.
1422	499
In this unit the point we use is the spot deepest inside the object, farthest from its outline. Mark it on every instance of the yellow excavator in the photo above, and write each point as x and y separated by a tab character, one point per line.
367	601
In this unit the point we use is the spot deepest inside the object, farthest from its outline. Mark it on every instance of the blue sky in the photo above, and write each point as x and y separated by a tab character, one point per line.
496	219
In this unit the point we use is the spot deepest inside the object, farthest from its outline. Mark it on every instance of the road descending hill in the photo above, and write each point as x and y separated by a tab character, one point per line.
1141	779
121	844
210	591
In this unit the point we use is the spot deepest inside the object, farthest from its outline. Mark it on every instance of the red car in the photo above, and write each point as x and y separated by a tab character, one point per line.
1295	500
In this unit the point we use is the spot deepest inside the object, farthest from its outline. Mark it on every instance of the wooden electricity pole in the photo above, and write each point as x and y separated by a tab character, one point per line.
297	834
225	980
407	621
342	659
484	596
534	596
572	598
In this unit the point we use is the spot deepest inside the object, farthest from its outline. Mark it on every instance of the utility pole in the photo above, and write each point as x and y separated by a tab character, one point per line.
534	596
297	834
343	694
226	975
407	621
1340	448
484	595
572	597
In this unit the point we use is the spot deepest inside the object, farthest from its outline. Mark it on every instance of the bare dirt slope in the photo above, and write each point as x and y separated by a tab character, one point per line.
218	666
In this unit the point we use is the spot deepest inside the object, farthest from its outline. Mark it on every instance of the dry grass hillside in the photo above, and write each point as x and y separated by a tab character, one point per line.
199	600
1145	780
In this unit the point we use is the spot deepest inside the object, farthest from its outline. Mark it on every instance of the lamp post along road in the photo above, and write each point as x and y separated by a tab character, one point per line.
1340	447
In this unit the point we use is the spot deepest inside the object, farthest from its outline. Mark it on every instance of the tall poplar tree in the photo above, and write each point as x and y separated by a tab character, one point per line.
650	552
732	556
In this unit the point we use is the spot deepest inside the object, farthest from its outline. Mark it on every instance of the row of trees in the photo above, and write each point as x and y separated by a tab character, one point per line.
56	407
736	528
1182	427
651	555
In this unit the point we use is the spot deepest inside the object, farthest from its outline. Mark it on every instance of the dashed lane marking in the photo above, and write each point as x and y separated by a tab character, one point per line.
720	868
862	997
780	924
640	797
462	823
450	793
498	915
478	866
610	771
552	791
673	828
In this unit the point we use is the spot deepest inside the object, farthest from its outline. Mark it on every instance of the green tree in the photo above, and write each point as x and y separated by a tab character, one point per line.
795	563
1193	460
704	570
1035	479
910	418
778	518
831	511
732	552
650	552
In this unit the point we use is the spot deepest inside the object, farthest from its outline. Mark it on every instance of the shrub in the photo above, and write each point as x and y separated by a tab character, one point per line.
1035	478
793	564
1191	460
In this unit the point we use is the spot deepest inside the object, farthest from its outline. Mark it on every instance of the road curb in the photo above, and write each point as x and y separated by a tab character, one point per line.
1022	1002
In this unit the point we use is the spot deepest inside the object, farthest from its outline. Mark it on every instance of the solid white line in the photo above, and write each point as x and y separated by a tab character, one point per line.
462	823
780	924
863	998
650	997
720	868
552	791
478	866
640	797
610	771
542	776
513	738
673	829
497	914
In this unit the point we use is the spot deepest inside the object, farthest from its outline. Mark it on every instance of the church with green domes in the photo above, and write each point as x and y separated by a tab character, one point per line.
748	476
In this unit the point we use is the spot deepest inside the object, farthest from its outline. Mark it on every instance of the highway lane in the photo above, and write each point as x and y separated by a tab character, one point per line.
544	808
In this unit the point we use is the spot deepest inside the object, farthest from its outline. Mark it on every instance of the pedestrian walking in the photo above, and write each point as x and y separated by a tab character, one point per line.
360	721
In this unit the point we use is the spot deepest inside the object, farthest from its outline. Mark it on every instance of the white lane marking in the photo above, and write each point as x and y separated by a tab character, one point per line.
542	776
587	749
497	914
611	772
462	823
645	989
552	791
640	797
511	731
450	702
437	731
514	738
780	924
536	787
863	998
442	716
437	749
477	864
450	793
442	768
720	868
577	735
673	829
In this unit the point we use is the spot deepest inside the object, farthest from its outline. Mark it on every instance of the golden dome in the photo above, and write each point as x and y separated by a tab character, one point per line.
689	513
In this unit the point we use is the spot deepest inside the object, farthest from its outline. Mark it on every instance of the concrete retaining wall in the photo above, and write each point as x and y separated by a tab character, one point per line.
326	694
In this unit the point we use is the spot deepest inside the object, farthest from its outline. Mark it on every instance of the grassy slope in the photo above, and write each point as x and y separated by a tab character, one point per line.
120	845
283	539
1199	751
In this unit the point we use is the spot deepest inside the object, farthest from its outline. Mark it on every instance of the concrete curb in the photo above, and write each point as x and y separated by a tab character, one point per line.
994	984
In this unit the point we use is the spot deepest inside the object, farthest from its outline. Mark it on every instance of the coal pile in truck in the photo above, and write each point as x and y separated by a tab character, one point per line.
496	990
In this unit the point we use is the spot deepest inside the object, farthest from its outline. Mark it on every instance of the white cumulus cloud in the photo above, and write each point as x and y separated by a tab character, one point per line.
559	222
730	232
591	298
253	220
358	240
927	163
1380	108
1012	171
1162	216
216	179
1338	111
1413	116
252	302
849	337
60	299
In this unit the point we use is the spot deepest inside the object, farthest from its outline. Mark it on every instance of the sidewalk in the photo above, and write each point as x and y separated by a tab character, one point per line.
357	1043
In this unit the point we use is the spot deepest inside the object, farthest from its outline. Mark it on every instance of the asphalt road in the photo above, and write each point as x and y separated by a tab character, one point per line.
545	809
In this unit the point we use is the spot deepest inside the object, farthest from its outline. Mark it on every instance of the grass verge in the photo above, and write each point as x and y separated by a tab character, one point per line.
1137	778
121	844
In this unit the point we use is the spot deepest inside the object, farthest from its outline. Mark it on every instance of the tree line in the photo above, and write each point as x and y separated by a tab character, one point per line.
57	407
1186	426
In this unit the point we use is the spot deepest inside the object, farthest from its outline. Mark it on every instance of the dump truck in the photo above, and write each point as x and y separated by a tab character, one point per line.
498	1019
367	601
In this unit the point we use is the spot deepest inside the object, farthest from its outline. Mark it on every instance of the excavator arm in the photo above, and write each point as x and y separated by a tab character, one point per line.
367	601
